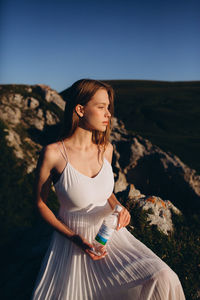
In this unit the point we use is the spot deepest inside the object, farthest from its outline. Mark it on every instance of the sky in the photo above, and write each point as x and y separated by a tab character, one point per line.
58	42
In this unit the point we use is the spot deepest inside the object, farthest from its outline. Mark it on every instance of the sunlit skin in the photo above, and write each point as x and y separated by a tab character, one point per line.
95	112
82	154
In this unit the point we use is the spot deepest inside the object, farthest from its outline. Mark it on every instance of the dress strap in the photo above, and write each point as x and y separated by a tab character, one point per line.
64	153
65	150
100	152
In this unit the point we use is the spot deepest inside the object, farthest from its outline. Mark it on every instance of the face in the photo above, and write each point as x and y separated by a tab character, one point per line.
96	113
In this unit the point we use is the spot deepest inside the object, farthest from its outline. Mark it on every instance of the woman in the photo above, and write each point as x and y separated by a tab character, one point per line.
79	165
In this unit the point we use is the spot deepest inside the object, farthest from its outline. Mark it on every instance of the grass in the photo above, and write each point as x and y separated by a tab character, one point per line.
180	250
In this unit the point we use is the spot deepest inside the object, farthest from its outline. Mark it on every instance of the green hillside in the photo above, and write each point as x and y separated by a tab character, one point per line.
167	113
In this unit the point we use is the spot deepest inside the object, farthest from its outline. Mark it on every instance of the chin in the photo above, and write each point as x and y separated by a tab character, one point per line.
103	130
100	128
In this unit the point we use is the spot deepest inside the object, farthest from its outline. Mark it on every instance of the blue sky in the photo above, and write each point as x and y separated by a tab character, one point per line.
59	42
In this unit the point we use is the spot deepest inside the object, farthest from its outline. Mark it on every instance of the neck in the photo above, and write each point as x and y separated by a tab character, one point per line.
82	139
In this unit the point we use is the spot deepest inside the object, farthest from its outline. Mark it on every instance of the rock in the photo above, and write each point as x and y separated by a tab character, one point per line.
121	183
40	113
27	112
16	99
14	141
51	95
31	103
29	89
38	123
13	100
134	193
51	118
10	114
155	172
159	211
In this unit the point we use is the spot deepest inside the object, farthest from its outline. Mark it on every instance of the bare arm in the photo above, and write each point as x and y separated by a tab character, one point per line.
124	215
43	185
45	164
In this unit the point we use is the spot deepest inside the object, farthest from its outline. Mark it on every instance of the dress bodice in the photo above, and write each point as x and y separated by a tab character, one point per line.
78	192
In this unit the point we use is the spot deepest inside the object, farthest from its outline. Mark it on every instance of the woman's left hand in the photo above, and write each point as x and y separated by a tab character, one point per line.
123	219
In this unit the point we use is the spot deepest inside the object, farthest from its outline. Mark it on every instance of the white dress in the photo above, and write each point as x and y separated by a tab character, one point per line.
130	270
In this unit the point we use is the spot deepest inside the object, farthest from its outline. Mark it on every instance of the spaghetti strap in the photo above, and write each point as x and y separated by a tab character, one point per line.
64	155
65	150
101	153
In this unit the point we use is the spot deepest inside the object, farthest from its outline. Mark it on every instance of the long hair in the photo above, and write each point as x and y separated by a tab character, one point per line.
81	92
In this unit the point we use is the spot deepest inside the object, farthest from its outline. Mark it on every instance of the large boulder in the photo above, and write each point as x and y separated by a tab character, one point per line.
155	172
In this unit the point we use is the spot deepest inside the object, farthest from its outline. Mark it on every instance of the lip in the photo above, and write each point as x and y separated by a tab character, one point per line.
106	123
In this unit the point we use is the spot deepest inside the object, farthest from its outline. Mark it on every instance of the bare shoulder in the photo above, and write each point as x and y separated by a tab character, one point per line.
49	155
109	152
109	147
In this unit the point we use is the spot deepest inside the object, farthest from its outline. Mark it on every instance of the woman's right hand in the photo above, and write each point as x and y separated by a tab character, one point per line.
87	247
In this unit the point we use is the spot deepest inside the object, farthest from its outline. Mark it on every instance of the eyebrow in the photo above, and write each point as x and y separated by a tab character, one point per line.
103	103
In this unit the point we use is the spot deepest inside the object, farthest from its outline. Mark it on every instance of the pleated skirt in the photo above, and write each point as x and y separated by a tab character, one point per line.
130	270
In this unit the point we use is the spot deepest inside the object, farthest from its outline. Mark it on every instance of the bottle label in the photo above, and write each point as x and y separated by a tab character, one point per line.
103	234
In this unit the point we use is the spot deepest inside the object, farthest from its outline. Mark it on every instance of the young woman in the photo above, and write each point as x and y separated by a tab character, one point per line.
79	165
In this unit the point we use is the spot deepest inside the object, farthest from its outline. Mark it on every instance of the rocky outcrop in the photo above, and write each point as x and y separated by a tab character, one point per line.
30	112
155	172
50	95
159	211
26	113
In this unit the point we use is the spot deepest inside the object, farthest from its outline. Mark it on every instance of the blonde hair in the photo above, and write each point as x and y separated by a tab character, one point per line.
81	92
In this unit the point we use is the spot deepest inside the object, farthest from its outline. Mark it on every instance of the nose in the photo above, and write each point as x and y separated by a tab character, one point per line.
108	113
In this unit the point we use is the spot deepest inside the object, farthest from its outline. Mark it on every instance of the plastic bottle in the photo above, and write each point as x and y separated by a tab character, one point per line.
108	226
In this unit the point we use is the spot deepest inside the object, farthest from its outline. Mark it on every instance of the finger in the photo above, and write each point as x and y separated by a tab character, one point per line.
92	253
126	213
101	256
102	247
123	219
127	220
120	218
97	257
